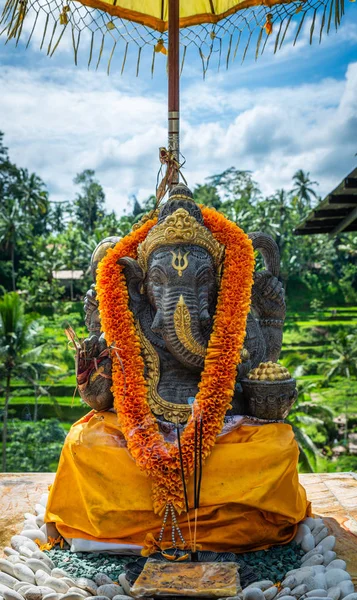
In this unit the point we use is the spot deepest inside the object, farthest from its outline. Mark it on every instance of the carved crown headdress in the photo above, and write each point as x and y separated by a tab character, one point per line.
180	222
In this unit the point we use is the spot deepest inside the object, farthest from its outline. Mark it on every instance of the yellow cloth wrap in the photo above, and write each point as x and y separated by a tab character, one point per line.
250	496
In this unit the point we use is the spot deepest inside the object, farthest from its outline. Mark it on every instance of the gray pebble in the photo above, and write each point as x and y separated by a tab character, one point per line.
328	543
7	580
42	556
10	551
124	583
346	588
334	592
6	566
25	552
58	573
351	596
290	582
41	577
308	542
253	593
270	593
57	584
329	556
310	522
86	584
52	596
102	579
109	590
3	589
287	598
72	596
317	550
123	597
317	593
12	595
77	590
23	588
34	534
321	536
302	530
285	591
335	576
316	559
320	581
19	585
33	593
319	598
35	565
337	564
20	540
299	590
263	584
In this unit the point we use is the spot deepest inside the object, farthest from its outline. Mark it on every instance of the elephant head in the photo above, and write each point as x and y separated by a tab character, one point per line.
173	284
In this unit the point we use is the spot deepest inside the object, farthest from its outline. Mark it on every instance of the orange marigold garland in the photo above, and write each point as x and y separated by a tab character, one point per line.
152	454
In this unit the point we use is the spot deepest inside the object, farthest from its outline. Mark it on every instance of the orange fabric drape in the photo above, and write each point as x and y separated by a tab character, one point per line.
250	497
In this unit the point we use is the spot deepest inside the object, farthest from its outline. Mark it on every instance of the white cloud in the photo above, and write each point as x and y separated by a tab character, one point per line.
59	121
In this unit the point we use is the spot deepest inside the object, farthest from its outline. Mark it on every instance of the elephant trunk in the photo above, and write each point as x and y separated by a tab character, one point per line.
182	330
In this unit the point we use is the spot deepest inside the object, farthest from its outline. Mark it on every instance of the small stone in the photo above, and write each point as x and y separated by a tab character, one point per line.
24	587
57	584
6	566
42	556
253	593
316	559
337	564
335	592
72	596
317	550
290	582
320	581
77	590
39	521
7	580
310	522
44	499
351	596
329	556
270	593
15	559
319	598
264	584
24	551
102	579
52	596
317	593
30	517
33	593
123	597
285	591
124	583
29	525
87	584
287	598
302	530
328	543
41	577
299	590
308	542
35	565
58	573
109	590
3	589
321	535
19	540
34	534
69	581
40	510
19	585
24	573
10	551
12	595
335	576
346	588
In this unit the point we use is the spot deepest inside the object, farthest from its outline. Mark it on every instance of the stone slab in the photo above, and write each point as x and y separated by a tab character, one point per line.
333	497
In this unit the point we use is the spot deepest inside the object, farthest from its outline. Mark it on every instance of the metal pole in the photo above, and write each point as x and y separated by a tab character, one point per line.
174	81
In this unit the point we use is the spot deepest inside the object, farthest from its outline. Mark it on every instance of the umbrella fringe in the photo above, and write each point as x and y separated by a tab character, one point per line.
208	40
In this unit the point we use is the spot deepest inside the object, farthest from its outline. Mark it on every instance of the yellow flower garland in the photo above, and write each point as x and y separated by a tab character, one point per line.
146	444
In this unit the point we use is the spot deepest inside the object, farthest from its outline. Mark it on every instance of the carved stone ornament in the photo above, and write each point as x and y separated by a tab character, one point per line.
179	228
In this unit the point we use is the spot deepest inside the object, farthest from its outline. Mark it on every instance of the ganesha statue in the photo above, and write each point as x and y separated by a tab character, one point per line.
182	330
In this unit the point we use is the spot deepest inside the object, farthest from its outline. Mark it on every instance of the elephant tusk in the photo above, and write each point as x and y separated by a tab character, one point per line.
182	321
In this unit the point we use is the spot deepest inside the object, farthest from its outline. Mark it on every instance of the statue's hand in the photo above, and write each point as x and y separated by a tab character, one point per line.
92	347
94	373
268	296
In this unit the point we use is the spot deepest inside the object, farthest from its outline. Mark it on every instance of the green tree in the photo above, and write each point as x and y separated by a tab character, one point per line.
343	364
32	197
13	228
303	191
208	195
89	204
34	447
18	350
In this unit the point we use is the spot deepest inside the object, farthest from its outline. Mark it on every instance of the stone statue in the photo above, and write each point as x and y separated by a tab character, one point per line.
173	293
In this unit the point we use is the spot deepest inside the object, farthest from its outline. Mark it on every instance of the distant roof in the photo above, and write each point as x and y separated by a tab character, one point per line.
336	213
67	274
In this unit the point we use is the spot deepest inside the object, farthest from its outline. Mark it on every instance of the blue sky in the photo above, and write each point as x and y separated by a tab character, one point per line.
295	109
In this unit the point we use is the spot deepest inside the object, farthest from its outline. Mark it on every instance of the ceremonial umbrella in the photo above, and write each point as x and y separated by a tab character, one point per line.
216	28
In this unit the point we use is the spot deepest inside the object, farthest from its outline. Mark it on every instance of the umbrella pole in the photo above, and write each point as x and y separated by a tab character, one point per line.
174	82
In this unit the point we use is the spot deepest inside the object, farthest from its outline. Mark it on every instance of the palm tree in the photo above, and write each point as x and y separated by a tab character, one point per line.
18	355
303	190
343	364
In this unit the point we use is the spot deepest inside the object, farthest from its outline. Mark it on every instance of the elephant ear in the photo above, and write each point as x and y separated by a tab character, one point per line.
134	276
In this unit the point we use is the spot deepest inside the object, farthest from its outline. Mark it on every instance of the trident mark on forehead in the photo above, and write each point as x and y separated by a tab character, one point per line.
179	262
